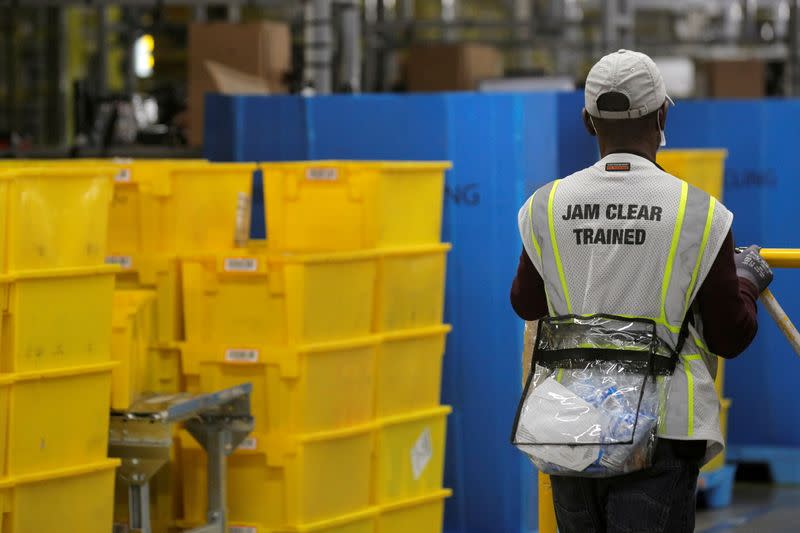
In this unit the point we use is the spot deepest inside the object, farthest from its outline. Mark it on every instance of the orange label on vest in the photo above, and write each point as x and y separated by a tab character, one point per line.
618	167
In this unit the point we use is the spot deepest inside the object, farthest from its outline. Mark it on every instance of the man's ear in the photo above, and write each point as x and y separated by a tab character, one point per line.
662	116
587	123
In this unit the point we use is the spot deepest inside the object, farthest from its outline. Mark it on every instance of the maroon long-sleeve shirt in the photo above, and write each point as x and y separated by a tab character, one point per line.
727	303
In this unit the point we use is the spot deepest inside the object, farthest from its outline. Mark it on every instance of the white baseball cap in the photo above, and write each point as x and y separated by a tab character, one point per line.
632	74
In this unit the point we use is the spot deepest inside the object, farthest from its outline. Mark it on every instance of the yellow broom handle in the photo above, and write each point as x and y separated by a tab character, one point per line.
781	319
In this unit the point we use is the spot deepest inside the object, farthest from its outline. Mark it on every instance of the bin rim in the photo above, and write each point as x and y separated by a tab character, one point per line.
441	494
55	172
72	471
400	165
442	410
56	273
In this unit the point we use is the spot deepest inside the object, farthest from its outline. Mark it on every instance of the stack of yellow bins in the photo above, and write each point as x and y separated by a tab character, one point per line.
162	211
337	322
55	352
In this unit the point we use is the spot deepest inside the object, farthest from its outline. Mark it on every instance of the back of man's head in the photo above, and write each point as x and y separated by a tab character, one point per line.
625	98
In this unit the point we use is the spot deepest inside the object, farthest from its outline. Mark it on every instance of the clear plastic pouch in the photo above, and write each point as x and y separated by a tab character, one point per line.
593	401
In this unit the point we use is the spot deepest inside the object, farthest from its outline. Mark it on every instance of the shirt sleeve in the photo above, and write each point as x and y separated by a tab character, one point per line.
527	291
727	305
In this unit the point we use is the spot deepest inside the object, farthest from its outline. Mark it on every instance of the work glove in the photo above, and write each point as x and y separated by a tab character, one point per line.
752	267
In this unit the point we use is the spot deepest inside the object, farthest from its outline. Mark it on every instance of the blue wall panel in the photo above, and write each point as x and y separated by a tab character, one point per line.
378	127
252	128
576	149
221	129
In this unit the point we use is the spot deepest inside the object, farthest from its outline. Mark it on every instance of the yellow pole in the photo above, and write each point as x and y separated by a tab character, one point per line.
547	515
782	257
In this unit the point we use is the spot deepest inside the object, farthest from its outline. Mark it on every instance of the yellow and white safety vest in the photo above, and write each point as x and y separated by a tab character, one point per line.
623	237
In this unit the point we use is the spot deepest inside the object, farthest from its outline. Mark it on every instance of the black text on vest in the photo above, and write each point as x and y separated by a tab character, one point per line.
630	236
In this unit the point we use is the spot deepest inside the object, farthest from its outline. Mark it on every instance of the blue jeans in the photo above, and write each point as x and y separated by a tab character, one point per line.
659	499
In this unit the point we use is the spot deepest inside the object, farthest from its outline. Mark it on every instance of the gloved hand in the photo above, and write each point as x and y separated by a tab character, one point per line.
752	267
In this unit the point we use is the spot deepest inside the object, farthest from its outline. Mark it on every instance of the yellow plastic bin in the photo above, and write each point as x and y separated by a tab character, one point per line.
126	238
278	299
719	461
410	290
193	208
68	499
295	481
424	514
409	370
705	169
162	275
338	205
56	418
165	373
132	334
56	319
410	455
53	217
719	380
307	389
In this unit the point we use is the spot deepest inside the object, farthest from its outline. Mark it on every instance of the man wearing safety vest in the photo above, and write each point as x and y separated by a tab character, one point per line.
625	238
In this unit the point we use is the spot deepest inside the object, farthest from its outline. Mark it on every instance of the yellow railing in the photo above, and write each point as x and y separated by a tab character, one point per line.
777	258
782	257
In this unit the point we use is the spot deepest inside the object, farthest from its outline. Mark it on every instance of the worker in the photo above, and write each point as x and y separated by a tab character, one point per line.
624	237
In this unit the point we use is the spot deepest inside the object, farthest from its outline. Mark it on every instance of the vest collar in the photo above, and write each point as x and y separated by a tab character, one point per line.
635	160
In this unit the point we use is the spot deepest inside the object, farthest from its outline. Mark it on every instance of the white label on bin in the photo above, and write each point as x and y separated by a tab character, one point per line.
240	355
242	529
421	453
125	261
123	175
322	174
250	443
240	264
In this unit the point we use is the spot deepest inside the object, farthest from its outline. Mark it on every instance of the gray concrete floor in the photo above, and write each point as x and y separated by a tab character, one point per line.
756	508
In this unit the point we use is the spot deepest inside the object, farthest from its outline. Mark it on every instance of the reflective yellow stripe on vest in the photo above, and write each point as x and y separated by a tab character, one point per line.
706	232
536	244
687	366
673	248
554	242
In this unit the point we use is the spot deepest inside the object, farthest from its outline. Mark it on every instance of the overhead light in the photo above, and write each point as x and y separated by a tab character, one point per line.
143	59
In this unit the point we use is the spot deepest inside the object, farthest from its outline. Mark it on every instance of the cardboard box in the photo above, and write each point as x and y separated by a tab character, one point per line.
732	78
457	67
256	50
